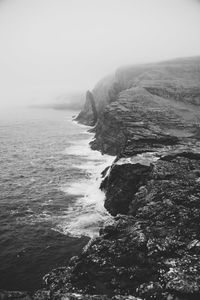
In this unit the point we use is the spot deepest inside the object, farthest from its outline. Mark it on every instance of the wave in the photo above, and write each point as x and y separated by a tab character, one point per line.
87	213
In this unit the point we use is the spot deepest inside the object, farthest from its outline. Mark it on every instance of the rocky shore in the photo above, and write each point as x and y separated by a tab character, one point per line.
148	116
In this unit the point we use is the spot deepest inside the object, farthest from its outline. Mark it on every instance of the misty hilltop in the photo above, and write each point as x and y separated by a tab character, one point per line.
54	46
177	79
158	99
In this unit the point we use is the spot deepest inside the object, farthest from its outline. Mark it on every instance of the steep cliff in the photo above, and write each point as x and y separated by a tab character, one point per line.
88	115
151	121
155	101
96	101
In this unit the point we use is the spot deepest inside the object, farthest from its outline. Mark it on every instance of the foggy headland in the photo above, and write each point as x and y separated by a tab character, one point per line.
100	149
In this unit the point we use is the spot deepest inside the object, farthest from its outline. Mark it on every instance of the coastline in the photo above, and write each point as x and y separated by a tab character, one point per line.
90	214
150	249
128	244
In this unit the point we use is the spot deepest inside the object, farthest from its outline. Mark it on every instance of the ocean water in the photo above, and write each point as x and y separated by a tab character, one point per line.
50	202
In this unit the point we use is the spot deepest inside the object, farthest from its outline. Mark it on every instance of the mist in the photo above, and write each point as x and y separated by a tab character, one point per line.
57	47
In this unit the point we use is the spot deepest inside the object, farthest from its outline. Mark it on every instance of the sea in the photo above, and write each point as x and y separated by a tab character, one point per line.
50	201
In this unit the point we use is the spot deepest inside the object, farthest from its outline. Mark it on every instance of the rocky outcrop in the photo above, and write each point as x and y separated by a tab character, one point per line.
88	115
146	106
121	184
97	100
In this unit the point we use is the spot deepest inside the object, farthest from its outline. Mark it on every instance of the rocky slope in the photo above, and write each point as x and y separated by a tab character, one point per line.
149	117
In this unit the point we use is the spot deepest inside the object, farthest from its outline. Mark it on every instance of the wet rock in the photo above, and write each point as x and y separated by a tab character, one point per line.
121	184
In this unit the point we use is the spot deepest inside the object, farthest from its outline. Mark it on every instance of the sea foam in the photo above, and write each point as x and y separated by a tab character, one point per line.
87	213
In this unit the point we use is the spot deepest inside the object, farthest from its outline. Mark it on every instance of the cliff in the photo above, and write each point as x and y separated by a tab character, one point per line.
150	119
155	101
148	116
96	101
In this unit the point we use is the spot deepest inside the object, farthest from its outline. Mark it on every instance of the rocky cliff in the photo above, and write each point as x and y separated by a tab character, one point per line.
149	119
148	116
159	102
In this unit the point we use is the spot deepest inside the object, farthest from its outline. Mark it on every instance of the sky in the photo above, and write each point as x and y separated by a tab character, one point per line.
54	47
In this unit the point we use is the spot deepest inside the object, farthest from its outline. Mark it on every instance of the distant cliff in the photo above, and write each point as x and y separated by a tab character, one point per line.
157	101
89	114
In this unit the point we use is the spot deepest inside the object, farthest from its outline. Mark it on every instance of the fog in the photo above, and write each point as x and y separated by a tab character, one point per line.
54	47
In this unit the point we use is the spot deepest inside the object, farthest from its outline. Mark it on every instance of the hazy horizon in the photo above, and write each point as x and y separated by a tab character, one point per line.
55	47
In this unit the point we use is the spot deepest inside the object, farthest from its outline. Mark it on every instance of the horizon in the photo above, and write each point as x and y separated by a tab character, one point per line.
56	47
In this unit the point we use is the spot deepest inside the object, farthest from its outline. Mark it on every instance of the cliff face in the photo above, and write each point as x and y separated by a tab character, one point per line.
155	101
137	117
96	101
151	249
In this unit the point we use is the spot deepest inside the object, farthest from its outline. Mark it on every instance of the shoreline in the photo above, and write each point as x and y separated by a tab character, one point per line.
95	163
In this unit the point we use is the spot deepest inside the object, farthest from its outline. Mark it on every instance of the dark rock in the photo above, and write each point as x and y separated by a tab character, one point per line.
121	184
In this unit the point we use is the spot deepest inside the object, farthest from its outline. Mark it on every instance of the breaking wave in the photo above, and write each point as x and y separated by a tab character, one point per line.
87	213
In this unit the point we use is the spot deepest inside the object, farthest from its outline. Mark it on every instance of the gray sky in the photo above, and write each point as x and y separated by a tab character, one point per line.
51	47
